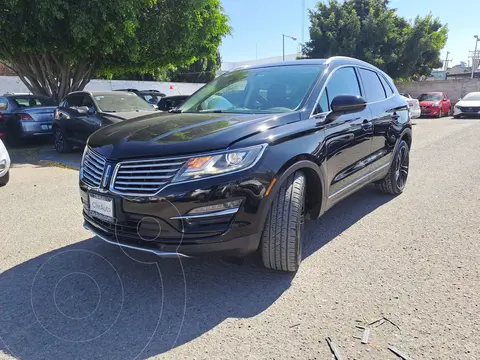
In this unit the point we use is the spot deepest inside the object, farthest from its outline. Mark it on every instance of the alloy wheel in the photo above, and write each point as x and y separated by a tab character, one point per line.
59	142
401	171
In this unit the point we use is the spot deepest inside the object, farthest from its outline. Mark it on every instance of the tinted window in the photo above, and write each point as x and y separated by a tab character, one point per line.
323	104
373	87
73	100
343	82
87	101
3	104
24	102
388	89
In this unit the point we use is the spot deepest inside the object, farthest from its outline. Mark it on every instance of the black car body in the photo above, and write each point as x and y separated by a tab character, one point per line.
24	116
239	177
82	113
171	102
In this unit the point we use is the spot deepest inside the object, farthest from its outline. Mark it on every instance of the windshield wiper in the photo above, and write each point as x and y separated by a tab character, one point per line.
175	111
217	111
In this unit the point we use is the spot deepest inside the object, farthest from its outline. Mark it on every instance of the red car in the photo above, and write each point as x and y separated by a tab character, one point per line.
435	104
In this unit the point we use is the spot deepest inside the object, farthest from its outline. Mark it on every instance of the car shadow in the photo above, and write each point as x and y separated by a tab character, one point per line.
41	153
93	300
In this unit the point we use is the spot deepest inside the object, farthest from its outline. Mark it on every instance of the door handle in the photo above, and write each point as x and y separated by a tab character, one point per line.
367	124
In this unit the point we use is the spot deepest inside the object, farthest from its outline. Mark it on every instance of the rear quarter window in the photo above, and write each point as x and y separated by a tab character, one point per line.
3	104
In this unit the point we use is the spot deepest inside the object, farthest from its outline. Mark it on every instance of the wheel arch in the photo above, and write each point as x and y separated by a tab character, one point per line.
407	136
315	184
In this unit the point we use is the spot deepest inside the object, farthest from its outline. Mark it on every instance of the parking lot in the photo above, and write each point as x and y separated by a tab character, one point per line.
413	259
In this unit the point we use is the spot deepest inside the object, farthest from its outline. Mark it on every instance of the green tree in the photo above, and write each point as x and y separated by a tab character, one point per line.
372	31
56	46
201	71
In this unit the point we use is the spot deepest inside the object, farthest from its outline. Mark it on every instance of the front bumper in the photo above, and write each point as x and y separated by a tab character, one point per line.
430	111
36	128
158	224
466	112
4	160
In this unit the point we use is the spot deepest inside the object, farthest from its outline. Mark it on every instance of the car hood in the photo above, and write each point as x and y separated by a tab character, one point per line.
170	134
118	116
468	103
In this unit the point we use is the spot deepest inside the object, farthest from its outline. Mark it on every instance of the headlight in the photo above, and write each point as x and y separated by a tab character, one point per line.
220	163
457	107
436	104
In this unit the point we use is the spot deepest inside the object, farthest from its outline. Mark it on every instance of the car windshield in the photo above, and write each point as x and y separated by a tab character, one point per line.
472	97
121	102
430	97
275	89
29	101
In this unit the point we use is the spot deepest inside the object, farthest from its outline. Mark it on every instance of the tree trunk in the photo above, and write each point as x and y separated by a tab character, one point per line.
49	76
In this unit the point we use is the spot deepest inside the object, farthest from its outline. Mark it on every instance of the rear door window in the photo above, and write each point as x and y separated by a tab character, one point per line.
374	90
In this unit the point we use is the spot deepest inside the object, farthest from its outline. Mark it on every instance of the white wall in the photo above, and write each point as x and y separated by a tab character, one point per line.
13	84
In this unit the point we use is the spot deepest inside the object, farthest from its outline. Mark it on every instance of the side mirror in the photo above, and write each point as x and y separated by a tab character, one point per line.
345	104
459	99
91	110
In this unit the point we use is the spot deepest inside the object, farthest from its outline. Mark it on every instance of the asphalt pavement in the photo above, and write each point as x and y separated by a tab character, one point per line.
412	259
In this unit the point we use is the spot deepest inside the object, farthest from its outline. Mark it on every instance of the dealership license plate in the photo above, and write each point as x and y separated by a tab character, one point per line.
46	127
101	207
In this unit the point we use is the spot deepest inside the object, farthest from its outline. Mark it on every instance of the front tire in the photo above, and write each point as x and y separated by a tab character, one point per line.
396	179
4	179
281	244
62	145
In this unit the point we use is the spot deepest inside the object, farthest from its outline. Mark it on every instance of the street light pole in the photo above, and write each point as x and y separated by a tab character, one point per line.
474	62
283	39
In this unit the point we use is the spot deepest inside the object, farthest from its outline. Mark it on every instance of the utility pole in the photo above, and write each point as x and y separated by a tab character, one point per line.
447	60
303	22
474	59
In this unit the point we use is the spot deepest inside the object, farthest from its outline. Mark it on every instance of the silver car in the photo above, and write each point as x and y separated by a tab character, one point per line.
25	116
4	165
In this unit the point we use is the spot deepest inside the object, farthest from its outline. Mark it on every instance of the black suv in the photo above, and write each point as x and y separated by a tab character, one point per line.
245	159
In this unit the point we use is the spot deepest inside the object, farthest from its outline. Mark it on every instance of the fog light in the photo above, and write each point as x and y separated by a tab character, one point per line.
215	208
3	164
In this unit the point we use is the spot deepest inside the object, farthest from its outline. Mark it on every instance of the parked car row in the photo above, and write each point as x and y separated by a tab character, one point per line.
438	104
24	116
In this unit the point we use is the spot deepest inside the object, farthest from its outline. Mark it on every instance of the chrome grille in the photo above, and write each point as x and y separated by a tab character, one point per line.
145	177
92	168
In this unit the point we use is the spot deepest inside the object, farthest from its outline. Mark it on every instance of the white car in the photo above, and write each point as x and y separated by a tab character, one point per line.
469	105
413	106
4	165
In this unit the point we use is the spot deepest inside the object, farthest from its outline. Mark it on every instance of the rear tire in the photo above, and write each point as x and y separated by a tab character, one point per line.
62	145
281	243
4	179
396	179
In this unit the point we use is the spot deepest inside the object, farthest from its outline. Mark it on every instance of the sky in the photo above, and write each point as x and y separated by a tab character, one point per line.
258	26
